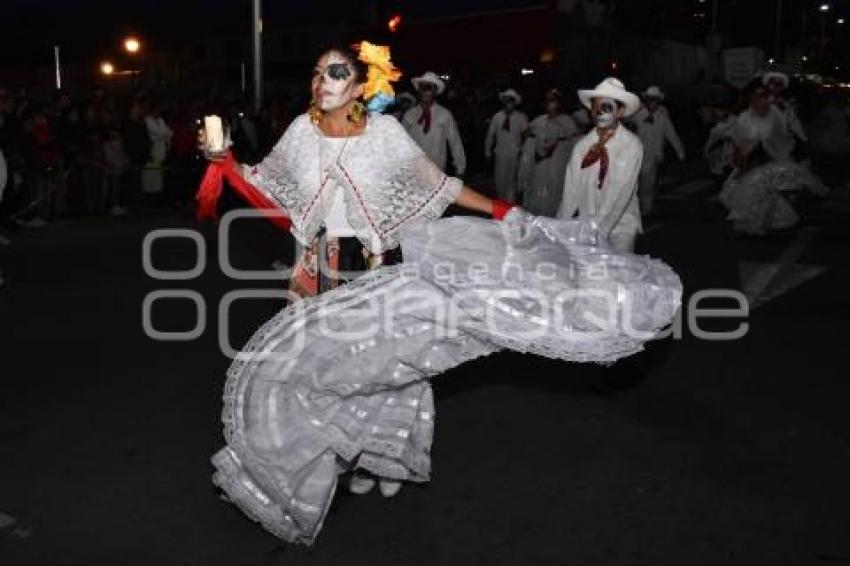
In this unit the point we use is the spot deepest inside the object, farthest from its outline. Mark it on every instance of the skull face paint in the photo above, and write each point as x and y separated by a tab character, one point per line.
427	92
333	83
605	112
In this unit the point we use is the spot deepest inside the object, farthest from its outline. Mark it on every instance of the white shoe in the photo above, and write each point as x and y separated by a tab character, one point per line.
361	484
389	487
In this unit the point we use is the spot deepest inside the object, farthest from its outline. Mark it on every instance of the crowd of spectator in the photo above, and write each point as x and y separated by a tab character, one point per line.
104	154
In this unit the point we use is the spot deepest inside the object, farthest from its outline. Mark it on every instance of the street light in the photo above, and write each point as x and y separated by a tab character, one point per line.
839	21
107	68
394	23
824	8
132	45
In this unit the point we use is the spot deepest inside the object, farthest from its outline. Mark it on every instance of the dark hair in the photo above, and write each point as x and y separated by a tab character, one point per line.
361	69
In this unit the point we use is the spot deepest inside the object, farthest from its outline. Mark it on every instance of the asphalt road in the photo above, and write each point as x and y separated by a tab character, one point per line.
724	453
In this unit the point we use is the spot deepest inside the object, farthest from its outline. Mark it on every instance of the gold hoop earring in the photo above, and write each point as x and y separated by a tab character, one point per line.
357	112
314	112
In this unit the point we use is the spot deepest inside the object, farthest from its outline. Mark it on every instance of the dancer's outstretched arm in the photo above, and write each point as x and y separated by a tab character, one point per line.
473	200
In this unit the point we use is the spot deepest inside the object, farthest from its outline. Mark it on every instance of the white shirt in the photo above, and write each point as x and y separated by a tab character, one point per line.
614	207
442	133
506	143
160	136
655	132
336	220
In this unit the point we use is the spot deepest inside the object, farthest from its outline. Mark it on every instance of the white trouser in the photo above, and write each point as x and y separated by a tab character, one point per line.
505	175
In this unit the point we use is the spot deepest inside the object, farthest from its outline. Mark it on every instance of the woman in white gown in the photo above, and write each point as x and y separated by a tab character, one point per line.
339	381
765	173
547	151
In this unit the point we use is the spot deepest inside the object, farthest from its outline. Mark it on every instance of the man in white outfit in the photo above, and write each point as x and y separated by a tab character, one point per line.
654	128
504	140
432	126
602	176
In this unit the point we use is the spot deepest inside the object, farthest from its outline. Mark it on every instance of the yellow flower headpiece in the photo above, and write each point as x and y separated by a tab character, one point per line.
381	73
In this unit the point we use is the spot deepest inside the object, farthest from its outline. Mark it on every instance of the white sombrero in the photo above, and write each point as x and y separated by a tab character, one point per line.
611	88
771	75
510	93
430	78
654	92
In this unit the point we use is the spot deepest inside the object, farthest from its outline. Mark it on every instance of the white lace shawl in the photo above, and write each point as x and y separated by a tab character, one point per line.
386	178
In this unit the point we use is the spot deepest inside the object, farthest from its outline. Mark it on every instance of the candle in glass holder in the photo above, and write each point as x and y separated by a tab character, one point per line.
214	134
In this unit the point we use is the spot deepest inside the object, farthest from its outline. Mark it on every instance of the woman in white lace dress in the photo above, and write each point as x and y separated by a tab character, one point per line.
550	141
756	192
339	382
349	180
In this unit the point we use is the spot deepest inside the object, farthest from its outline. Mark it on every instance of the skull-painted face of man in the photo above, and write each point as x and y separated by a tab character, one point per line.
335	82
606	112
427	92
652	103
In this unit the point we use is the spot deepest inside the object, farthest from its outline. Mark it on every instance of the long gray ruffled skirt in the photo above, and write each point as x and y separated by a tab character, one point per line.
341	381
756	199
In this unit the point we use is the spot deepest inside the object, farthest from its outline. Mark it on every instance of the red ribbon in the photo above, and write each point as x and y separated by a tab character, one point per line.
213	183
501	208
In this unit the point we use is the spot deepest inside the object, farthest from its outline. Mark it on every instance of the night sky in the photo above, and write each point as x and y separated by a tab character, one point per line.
84	28
88	29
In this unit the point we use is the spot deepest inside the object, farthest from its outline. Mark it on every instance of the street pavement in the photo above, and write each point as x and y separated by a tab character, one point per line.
733	453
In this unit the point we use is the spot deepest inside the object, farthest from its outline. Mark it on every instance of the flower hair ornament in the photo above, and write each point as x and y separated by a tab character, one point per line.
378	91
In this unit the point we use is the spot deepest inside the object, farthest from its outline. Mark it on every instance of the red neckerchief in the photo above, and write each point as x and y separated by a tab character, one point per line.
506	125
598	152
425	118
